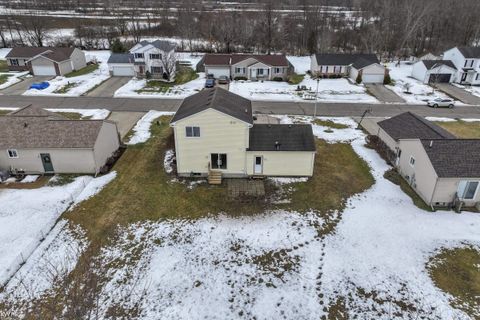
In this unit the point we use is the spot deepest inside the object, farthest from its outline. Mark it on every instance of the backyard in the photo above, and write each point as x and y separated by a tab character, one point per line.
461	128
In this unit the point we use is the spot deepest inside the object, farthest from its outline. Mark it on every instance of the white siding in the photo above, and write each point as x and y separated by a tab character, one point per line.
283	163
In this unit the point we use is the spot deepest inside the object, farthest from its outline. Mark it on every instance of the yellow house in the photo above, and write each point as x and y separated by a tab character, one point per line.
215	131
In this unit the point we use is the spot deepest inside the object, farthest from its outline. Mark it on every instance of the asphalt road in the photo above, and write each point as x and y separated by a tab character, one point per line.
267	107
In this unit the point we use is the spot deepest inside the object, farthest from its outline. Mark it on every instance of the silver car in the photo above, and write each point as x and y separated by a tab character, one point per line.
439	102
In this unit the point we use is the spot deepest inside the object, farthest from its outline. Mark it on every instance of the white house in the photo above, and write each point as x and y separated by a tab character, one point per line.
467	62
215	136
434	71
332	65
156	58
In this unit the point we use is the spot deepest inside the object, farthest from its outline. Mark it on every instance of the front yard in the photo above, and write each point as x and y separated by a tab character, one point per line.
347	241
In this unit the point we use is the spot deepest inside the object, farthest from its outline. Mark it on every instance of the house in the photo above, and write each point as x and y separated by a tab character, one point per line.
214	131
154	59
36	141
246	66
442	169
46	61
467	62
434	71
333	65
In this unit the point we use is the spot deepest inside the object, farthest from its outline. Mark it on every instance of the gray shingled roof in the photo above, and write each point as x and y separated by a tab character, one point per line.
121	58
358	60
411	126
470	52
159	44
435	63
217	99
454	158
57	54
33	127
288	137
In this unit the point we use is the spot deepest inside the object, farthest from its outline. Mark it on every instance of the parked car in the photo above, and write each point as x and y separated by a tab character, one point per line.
210	83
210	76
223	80
439	102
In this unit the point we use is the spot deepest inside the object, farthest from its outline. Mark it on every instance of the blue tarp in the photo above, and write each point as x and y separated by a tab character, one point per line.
40	85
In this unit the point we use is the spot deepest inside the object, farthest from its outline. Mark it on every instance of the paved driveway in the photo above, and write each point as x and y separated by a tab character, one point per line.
22	86
383	94
108	87
125	121
459	94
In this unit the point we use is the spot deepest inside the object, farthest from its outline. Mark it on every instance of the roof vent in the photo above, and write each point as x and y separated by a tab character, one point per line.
277	145
246	110
431	143
289	125
25	124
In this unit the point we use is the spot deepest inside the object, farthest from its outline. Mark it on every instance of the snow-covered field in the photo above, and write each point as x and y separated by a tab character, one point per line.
420	92
83	83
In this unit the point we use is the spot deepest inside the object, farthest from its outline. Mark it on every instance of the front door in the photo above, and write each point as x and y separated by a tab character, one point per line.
47	162
253	73
258	169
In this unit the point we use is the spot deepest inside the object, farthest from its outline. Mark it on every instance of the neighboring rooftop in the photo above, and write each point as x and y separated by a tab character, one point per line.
54	53
121	58
34	127
278	60
408	125
470	52
281	137
358	60
163	45
430	64
453	158
217	99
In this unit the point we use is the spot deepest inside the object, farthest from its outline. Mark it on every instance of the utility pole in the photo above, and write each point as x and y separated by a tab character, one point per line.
316	99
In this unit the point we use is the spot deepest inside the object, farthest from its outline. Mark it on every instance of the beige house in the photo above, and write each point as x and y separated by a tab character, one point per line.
36	141
244	66
443	170
46	61
215	131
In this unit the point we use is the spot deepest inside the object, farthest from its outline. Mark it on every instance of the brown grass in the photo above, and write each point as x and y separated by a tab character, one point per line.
462	129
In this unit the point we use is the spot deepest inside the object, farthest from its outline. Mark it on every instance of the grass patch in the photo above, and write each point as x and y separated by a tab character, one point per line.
85	70
393	176
4	78
457	272
61	180
462	129
3	66
73	115
295	78
330	124
66	87
4	112
184	75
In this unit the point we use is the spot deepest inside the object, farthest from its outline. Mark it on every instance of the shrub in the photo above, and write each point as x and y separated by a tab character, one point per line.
148	75
240	78
278	79
359	78
295	78
387	79
118	47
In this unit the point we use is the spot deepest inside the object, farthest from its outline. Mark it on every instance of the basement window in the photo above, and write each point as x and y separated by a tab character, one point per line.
12	153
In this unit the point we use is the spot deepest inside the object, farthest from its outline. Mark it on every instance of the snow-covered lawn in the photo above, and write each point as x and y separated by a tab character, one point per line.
300	63
420	92
27	216
13	77
276	265
329	90
80	84
130	89
141	131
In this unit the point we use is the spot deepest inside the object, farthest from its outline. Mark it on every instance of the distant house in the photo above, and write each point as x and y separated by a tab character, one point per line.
37	141
442	169
246	66
215	132
434	71
156	58
348	65
46	61
467	62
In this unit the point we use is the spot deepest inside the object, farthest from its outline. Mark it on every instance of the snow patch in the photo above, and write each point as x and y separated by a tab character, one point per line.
94	187
141	131
30	179
168	161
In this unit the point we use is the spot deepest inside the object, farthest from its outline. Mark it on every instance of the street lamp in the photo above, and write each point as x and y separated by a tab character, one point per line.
316	99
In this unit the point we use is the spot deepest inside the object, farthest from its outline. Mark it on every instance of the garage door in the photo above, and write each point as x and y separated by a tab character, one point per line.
44	70
440	78
217	72
372	78
123	71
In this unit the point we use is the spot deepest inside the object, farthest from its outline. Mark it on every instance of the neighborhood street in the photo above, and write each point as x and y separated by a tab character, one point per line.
267	107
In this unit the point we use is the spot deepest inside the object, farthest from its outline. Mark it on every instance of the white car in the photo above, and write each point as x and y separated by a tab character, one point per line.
439	102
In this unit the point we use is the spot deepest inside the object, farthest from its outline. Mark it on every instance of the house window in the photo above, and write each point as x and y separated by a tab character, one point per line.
14	62
219	160
155	56
278	70
412	161
465	65
469	190
326	69
156	70
476	78
260	72
193	131
471	63
12	153
139	55
240	70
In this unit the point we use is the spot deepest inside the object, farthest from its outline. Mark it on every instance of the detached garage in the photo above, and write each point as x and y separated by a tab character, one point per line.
434	71
371	72
57	62
121	65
